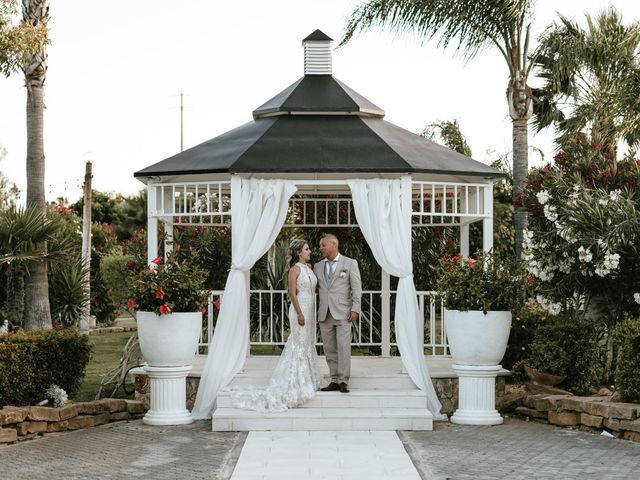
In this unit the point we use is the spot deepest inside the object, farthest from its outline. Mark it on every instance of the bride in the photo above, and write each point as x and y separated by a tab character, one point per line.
296	378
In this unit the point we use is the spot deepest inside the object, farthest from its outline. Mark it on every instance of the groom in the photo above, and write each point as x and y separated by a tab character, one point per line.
339	292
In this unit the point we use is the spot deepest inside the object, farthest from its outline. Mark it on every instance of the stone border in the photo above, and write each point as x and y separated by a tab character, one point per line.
593	414
24	423
100	330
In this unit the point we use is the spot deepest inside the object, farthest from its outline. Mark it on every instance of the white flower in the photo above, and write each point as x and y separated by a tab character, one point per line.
611	260
543	196
601	270
585	255
615	195
636	297
550	213
603	201
57	396
548	305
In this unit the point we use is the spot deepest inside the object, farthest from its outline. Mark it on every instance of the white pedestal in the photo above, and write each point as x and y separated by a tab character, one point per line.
476	395
167	396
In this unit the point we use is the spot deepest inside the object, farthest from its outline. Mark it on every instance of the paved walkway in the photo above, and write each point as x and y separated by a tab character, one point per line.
515	450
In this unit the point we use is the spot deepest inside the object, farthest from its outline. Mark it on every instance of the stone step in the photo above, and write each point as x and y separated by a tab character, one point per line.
233	419
372	381
353	399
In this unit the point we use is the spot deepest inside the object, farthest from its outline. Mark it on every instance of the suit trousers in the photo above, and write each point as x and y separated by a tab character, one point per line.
336	340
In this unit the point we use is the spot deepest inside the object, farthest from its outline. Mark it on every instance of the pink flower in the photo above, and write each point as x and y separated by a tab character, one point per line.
472	262
216	303
164	310
131	303
160	294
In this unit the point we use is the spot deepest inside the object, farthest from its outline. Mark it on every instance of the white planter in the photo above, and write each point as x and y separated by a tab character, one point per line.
168	344
169	340
477	342
476	338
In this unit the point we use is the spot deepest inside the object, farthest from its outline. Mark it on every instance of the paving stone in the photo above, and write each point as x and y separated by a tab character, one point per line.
13	415
564	419
8	435
591	420
46	414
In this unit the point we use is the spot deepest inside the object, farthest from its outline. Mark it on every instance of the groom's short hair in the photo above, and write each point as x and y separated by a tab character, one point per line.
330	236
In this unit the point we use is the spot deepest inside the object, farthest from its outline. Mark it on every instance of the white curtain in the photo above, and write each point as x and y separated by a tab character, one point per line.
383	210
258	211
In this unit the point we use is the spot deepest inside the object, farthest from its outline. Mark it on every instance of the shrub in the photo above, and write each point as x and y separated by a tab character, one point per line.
30	364
67	295
627	341
568	346
114	270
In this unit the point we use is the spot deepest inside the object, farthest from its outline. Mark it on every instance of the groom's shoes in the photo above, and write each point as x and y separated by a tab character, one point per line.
332	387
344	388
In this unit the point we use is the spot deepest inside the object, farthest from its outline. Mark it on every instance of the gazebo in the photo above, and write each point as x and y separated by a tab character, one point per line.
318	154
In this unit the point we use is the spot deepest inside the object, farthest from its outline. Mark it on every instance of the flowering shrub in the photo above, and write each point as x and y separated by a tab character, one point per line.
172	286
584	230
488	283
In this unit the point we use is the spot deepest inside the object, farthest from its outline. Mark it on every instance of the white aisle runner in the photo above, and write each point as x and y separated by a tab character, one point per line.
333	455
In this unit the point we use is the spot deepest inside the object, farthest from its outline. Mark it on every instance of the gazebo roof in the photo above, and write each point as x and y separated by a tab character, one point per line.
318	125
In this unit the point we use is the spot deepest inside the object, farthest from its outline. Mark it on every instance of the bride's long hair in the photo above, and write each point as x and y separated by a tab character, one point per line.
295	247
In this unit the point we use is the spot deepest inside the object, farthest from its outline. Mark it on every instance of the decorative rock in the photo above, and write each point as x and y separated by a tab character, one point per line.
537	388
530	412
563	419
134	406
626	411
616	424
634	426
590	420
530	400
604	392
114	404
119	416
68	411
58	426
81	421
101	419
91	408
8	435
549	402
13	415
44	414
634	436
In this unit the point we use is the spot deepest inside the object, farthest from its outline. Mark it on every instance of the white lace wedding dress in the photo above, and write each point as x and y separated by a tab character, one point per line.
295	378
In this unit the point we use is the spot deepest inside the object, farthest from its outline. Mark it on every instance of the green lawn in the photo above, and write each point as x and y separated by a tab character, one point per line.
106	354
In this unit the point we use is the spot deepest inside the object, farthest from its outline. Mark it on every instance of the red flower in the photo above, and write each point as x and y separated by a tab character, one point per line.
131	303
455	259
203	310
530	280
164	310
216	303
157	261
160	294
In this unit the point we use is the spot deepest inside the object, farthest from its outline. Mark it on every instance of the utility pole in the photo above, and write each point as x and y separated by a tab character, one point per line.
86	248
181	121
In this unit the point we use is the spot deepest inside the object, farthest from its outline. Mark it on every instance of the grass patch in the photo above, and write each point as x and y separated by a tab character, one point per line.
107	351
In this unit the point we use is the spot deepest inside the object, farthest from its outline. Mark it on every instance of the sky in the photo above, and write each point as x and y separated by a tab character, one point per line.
117	67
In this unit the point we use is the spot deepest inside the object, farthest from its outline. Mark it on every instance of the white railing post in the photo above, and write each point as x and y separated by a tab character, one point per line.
152	224
464	240
385	328
487	221
248	319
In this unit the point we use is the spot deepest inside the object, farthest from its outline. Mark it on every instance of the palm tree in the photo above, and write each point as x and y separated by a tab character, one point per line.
37	311
592	80
22	231
472	25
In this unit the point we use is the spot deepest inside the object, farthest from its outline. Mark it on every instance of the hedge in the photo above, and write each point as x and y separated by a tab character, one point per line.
31	363
627	342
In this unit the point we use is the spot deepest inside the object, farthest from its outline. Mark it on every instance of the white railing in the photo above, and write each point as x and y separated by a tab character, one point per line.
270	319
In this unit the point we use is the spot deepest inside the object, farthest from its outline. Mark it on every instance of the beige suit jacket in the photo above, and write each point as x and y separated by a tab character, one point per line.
343	294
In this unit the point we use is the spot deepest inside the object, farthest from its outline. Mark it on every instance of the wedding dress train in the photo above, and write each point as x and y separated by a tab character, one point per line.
296	377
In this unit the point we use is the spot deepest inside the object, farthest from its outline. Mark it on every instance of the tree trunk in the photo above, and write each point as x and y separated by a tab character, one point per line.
37	313
520	110
15	296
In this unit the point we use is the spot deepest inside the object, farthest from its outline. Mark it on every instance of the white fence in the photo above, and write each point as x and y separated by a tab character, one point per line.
269	318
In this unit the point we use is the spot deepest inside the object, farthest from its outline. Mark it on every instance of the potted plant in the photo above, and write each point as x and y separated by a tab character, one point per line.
169	301
478	296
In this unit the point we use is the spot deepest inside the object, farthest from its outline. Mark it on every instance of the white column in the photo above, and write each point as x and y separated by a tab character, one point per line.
385	329
248	319
152	224
168	238
487	221
476	395
464	240
168	396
